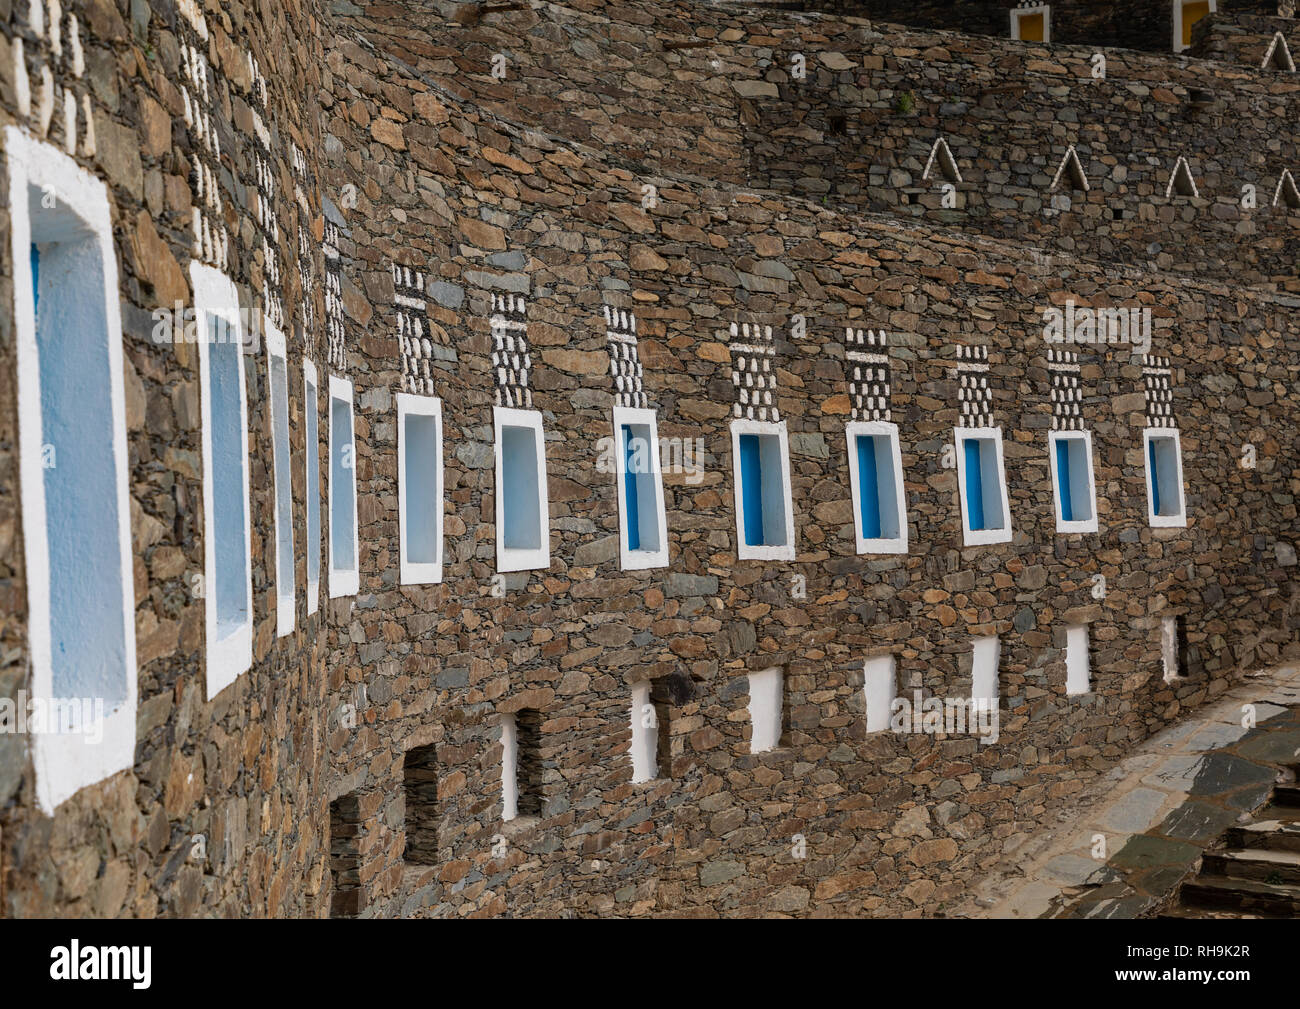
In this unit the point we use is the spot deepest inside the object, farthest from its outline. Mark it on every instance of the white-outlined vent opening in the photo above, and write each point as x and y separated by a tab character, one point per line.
941	155
1071	171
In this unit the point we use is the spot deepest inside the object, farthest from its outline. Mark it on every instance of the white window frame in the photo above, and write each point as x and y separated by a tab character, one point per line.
229	657
877	429
419	572
285	602
764	552
1178	21
67	762
1078	661
312	486
644	748
1020	12
1075	525
1179	519
985	669
522	558
879	691
766	708
509	767
343	581
981	537
637	560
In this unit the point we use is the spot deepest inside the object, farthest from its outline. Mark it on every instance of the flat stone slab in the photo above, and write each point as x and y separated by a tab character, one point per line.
1278	747
1222	772
1197	821
1213	737
1144	851
1176	774
1076	870
1135	811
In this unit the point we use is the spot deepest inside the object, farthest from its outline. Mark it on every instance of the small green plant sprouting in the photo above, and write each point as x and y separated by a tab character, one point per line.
905	103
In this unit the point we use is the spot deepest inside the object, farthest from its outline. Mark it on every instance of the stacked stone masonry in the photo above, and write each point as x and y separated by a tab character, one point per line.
632	193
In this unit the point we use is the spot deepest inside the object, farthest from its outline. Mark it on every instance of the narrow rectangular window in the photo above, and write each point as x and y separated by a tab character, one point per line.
1173	647
646	725
766	710
880	689
1164	471
346	835
523	533
764	517
420	494
1032	23
644	540
981	481
521	764
420	778
1186	14
986	655
876	478
1077	664
344	569
311	437
73	469
1072	481
278	373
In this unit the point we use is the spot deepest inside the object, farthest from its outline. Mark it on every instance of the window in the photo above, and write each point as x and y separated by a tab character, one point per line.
1164	465
346	830
311	429
876	477
649	724
982	481
227	560
522	508
880	688
764	518
521	765
643	542
278	372
419	480
1032	23
1077	665
420	778
1173	647
766	712
984	669
1186	14
1070	455
73	470
344	572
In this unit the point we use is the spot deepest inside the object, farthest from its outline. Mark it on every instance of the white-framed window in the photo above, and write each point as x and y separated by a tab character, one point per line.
981	477
1163	453
766	709
643	525
985	658
521	764
73	466
226	539
522	500
1032	23
1078	674
760	454
311	439
876	478
645	735
880	688
277	368
344	569
1186	14
420	487
1073	489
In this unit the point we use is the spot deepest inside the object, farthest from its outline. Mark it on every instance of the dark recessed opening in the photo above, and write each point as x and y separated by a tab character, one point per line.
345	856
838	125
1116	214
420	774
529	762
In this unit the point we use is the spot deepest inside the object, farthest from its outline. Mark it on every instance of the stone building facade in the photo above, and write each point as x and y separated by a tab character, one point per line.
451	237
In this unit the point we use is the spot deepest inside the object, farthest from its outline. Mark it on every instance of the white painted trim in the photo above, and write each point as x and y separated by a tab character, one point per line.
879	691
1178	21
877	428
1183	164
1288	64
644	748
1019	12
986	663
1077	525
637	560
1078	661
516	558
509	767
66	763
419	572
343	581
1071	157
1166	521
311	471
766	709
948	167
285	602
981	537
745	552
231	656
1286	185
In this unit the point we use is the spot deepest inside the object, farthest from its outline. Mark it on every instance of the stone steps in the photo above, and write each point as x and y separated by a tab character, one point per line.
1242	895
1254	863
1273	835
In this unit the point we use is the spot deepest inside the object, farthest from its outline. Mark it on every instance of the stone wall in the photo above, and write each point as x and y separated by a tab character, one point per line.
295	777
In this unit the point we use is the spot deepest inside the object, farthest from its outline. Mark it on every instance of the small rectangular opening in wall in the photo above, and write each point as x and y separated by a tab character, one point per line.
345	857
344	574
1032	24
1078	672
876	476
766	710
522	510
643	543
1173	647
420	777
1164	471
837	126
1072	481
521	764
765	523
987	654
420	494
982	483
1186	14
279	388
311	429
649	733
880	688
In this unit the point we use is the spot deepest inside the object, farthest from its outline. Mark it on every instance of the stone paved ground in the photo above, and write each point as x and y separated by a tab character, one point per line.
1157	811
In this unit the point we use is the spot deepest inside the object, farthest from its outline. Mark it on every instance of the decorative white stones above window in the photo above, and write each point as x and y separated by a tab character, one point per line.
511	360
